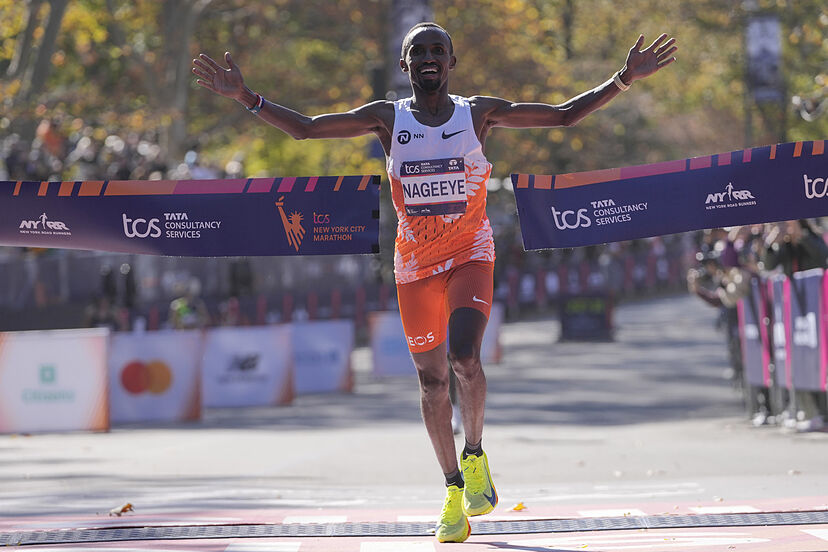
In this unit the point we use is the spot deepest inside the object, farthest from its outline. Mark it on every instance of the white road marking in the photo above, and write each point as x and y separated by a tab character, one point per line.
315	519
613	512
724	509
818	533
396	547
264	547
639	541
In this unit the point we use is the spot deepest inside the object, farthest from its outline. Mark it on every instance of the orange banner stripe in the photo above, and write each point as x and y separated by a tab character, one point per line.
44	187
798	149
773	151
582	179
66	188
338	183
819	147
724	159
364	182
523	181
140	187
543	182
17	187
91	188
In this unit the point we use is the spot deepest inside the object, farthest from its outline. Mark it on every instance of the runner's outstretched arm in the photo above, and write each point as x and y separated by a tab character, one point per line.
640	64
230	84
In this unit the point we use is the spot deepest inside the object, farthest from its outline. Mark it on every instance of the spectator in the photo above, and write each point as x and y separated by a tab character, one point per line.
189	311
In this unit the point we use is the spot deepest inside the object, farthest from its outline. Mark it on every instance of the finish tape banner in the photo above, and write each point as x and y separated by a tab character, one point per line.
324	215
765	184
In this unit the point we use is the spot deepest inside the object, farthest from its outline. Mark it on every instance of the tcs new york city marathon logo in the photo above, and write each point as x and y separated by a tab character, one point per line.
139	377
294	231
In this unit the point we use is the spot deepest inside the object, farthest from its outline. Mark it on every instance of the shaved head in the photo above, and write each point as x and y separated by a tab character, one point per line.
427	25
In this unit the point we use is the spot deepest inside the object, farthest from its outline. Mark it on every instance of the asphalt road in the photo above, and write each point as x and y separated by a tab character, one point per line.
645	422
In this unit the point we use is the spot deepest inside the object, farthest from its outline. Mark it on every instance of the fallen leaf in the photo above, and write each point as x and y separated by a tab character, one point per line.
518	507
119	511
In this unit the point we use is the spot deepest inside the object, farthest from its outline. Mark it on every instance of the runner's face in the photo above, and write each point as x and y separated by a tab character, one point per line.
428	59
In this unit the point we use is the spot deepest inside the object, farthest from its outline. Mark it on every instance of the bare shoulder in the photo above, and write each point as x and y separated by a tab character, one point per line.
381	110
485	110
485	104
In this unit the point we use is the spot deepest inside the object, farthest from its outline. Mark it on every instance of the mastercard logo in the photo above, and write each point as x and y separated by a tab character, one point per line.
140	377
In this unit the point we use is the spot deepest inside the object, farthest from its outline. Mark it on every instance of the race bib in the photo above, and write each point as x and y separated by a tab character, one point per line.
434	187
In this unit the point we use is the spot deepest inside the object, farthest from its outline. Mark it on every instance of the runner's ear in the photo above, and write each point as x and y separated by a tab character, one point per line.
403	66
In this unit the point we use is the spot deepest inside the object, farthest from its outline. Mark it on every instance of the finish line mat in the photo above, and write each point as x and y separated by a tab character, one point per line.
765	184
324	215
409	529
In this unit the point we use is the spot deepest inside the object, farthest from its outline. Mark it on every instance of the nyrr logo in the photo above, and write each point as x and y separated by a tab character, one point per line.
729	196
43	226
815	188
569	220
141	228
292	224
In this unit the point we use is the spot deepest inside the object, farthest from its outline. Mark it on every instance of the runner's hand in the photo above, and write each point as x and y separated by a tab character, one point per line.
212	76
643	63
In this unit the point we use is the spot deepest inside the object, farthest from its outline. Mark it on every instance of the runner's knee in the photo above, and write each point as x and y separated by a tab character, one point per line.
433	381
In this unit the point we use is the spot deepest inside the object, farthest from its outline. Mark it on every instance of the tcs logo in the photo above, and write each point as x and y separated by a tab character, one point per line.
421	339
141	228
139	377
569	220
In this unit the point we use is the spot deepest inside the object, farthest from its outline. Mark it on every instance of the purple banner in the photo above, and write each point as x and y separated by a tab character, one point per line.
778	288
767	184
325	215
805	330
754	337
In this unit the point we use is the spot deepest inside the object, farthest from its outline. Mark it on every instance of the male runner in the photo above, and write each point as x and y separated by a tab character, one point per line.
444	250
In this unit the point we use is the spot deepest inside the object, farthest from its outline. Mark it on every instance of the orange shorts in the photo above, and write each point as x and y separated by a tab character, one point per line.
427	304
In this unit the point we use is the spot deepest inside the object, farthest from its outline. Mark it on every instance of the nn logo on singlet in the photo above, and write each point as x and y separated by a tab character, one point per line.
405	136
292	224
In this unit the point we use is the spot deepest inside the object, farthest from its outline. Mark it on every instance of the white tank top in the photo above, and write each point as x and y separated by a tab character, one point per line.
438	186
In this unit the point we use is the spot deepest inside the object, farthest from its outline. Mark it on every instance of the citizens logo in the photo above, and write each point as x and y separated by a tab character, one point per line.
729	198
570	220
48	390
815	188
292	224
140	227
43	226
139	377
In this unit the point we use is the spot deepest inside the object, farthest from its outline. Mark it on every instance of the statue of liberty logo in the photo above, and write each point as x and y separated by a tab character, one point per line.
292	224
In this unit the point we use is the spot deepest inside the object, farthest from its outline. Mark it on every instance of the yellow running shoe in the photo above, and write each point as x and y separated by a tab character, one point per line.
480	496
453	525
